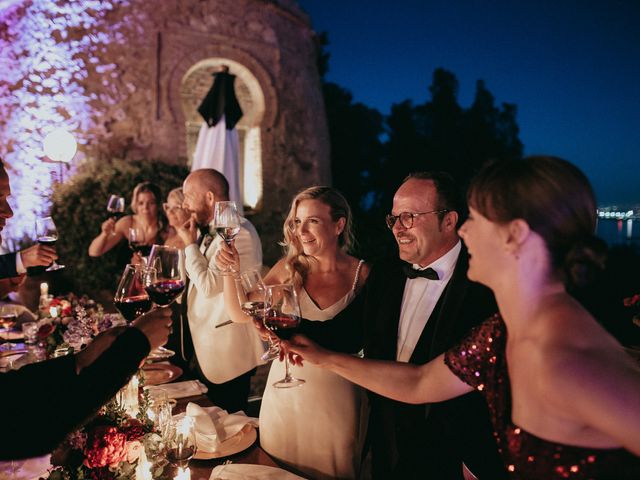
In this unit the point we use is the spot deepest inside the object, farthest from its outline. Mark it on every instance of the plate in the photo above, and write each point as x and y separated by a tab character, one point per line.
236	444
160	354
159	373
12	335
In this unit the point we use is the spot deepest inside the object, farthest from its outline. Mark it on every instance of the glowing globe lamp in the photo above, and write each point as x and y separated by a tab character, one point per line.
60	146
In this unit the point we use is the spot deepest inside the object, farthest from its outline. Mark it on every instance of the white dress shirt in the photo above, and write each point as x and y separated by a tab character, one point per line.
420	298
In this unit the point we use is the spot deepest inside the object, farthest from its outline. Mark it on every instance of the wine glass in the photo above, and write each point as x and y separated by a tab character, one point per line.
8	319
115	206
137	241
181	441
282	317
164	277
47	234
131	298
226	221
251	295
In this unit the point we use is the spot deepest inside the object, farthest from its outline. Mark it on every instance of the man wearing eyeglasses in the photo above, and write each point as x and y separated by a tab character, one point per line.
412	309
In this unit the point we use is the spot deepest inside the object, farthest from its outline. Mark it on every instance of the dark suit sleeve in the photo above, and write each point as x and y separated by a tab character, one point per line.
43	402
8	265
344	332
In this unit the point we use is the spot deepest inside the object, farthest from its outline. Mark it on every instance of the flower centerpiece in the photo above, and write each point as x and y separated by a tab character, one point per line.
113	445
69	323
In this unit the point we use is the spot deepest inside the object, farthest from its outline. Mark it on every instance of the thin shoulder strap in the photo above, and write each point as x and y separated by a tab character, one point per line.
355	279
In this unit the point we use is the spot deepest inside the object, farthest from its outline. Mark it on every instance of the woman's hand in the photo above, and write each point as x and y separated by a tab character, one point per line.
108	227
300	348
227	258
137	259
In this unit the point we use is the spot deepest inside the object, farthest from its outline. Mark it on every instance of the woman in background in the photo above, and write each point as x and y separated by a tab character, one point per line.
318	429
147	218
563	395
176	215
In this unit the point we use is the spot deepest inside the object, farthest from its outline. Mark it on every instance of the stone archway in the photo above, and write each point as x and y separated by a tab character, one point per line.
196	82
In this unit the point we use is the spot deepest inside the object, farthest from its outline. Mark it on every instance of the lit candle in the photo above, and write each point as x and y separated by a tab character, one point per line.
183	474
44	289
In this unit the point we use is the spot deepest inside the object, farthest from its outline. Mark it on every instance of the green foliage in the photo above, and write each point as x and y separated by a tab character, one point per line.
79	208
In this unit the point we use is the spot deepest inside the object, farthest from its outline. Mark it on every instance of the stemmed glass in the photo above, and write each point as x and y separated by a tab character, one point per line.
137	241
181	441
226	221
164	278
8	319
115	206
282	317
131	298
47	234
251	295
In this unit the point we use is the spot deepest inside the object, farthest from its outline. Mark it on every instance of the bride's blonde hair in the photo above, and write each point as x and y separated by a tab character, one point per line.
297	263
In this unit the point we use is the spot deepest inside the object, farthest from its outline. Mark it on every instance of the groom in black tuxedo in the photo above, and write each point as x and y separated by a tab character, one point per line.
412	309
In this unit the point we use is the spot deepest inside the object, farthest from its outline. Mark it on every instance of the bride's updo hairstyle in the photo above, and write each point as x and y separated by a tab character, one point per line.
552	195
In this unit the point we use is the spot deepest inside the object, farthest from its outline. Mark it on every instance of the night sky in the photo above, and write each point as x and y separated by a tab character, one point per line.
571	67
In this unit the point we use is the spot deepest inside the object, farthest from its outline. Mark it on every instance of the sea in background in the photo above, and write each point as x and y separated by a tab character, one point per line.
619	232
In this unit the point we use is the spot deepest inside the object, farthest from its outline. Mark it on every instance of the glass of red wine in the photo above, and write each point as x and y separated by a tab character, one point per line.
131	298
47	234
226	221
137	241
164	274
115	206
282	317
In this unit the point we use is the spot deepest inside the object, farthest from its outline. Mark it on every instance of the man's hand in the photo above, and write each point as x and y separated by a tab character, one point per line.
156	326
188	231
38	255
227	258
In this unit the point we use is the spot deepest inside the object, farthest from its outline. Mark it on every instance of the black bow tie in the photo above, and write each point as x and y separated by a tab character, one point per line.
412	273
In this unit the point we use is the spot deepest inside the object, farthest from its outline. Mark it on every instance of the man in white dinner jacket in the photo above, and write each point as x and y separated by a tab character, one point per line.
224	356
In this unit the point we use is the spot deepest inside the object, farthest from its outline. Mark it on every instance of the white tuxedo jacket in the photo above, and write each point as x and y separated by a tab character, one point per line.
227	352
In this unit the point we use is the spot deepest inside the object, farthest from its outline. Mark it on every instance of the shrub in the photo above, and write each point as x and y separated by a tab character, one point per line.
79	208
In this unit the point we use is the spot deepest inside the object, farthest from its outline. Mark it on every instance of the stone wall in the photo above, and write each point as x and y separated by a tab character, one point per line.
123	76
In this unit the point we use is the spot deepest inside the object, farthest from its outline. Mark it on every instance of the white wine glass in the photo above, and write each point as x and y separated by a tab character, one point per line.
47	234
226	221
251	295
282	317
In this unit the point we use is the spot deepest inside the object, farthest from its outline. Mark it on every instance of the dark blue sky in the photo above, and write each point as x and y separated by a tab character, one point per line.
571	67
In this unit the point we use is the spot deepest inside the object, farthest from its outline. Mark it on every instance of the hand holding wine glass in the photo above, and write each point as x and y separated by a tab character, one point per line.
226	221
282	317
47	234
137	241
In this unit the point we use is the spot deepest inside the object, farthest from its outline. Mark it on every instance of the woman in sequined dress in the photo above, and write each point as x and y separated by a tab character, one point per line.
564	396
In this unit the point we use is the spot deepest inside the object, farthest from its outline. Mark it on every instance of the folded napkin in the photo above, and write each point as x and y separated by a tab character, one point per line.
189	388
214	425
243	471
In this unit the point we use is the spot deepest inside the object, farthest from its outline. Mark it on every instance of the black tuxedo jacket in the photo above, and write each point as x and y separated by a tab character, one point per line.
418	441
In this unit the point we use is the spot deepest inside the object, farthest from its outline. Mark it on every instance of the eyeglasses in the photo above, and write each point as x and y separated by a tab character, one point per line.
171	208
406	218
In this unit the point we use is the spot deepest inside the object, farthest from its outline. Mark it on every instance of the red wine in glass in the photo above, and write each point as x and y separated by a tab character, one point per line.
141	248
132	307
164	292
283	326
8	321
48	240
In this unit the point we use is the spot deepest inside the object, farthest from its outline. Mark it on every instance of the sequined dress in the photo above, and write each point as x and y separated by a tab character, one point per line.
480	361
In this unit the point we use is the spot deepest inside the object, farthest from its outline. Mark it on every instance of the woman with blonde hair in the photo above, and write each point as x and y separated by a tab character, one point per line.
327	410
147	219
176	215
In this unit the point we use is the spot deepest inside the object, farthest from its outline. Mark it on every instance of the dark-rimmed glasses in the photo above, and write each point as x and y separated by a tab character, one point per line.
406	218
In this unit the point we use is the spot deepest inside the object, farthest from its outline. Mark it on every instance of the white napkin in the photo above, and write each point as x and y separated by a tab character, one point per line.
243	471
28	469
189	388
214	425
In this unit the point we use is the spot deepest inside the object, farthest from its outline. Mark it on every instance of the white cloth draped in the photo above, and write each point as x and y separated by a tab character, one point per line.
219	148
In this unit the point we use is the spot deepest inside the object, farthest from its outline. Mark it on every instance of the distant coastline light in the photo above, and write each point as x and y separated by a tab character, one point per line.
60	146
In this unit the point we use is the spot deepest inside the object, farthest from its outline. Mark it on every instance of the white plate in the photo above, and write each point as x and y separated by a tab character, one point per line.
158	355
239	442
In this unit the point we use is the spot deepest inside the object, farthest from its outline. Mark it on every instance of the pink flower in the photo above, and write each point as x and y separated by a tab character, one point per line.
45	330
632	301
105	446
134	449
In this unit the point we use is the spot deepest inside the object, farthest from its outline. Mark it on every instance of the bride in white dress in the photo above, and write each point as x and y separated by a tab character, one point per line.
318	428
